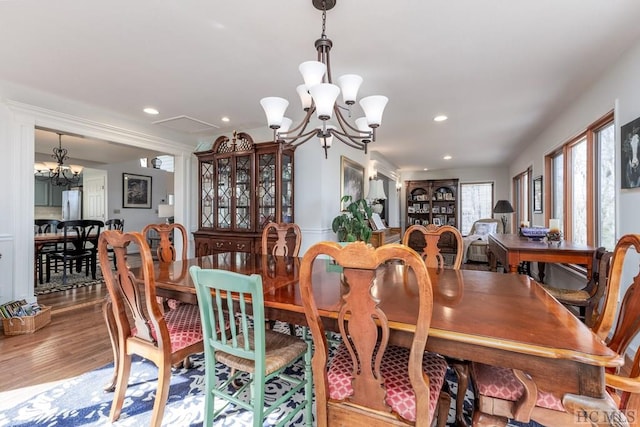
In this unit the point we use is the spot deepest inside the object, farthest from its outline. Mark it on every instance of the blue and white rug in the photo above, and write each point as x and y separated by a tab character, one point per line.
81	401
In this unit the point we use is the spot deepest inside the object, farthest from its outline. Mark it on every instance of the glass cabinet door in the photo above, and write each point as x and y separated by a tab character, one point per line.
287	188
243	192
207	194
266	189
224	193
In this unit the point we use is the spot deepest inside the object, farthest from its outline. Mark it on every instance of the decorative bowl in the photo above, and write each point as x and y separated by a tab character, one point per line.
534	233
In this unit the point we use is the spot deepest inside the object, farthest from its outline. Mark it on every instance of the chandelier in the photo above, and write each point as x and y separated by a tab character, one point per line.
319	95
57	172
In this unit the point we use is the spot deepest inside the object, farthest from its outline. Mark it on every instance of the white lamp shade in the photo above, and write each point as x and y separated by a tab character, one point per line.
376	190
76	169
39	167
373	107
285	125
363	126
312	72
349	85
165	211
326	142
51	165
305	98
274	107
324	95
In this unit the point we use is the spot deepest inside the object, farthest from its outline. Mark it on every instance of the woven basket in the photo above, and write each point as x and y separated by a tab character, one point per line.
27	324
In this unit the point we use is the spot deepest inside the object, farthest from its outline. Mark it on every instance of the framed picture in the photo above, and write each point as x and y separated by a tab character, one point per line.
436	221
629	165
537	194
351	180
136	191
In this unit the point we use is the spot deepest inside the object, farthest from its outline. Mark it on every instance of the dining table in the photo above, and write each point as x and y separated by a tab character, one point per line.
512	249
506	320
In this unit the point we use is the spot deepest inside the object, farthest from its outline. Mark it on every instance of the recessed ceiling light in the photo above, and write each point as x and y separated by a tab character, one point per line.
440	118
225	119
150	110
447	157
425	169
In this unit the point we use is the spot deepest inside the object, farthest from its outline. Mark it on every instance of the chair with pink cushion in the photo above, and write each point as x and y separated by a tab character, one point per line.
368	381
136	323
503	393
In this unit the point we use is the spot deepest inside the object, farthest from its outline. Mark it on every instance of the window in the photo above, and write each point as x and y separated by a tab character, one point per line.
582	185
521	197
476	202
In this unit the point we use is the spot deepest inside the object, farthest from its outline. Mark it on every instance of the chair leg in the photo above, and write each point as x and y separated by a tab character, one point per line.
462	373
124	369
442	410
162	394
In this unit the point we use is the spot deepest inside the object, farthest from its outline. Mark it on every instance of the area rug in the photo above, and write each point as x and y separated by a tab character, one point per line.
81	401
75	280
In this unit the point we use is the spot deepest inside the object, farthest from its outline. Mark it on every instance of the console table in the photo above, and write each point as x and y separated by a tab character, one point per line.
383	237
512	249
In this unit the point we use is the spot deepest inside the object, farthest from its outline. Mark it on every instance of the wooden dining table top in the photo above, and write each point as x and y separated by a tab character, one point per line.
473	310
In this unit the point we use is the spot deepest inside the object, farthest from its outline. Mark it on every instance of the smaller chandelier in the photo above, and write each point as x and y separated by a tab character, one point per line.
57	172
319	95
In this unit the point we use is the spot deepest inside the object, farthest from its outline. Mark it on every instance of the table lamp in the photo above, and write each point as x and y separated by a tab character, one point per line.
165	211
503	207
376	193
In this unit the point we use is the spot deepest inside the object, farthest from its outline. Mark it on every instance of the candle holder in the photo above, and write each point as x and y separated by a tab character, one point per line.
554	237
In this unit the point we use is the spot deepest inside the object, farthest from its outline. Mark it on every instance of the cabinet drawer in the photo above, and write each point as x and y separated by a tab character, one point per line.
237	245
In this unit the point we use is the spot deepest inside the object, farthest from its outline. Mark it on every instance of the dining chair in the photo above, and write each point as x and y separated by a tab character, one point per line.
253	353
503	393
368	381
590	298
288	239
78	245
136	323
166	250
43	226
431	235
114	224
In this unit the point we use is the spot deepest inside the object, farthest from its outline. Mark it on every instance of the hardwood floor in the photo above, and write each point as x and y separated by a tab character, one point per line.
76	341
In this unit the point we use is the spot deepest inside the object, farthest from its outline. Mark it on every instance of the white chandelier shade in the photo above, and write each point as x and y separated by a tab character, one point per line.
319	95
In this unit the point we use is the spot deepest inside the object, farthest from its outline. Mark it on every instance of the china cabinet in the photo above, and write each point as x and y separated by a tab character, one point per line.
433	202
242	187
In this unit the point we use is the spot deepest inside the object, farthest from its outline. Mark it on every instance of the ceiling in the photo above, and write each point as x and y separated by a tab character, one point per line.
501	70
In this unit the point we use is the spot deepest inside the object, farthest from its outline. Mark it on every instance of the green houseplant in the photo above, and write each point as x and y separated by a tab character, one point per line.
353	223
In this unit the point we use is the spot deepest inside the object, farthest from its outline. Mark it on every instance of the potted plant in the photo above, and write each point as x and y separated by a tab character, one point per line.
353	223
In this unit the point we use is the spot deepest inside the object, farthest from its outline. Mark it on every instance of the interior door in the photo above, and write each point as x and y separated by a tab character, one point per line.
95	195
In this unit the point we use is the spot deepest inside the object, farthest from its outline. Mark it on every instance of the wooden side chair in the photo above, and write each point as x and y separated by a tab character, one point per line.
166	250
137	324
431	252
42	226
369	382
78	246
260	352
503	393
288	239
114	224
589	299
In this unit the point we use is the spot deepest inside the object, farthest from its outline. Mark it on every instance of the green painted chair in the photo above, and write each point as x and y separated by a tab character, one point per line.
226	297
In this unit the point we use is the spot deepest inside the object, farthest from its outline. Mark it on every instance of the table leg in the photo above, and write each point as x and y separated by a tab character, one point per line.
541	267
107	311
